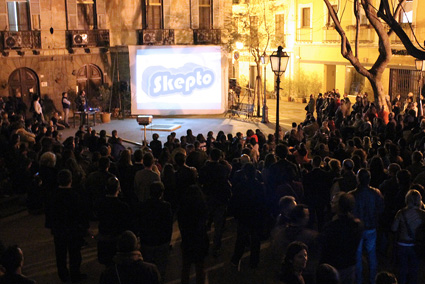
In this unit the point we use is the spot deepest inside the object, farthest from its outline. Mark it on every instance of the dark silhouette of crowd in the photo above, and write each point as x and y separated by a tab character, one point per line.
345	183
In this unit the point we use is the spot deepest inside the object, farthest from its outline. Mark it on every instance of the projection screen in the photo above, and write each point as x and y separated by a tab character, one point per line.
178	80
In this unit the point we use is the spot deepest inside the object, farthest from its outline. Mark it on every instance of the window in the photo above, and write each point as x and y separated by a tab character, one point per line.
305	20
86	14
279	21
205	14
18	13
406	14
363	19
330	22
154	14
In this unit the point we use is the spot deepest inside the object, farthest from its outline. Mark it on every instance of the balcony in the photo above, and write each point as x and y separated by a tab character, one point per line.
87	38
305	35
366	34
155	37
207	36
407	29
20	40
330	35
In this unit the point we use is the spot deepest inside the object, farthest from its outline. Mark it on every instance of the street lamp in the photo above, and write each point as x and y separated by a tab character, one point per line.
420	66
279	61
265	60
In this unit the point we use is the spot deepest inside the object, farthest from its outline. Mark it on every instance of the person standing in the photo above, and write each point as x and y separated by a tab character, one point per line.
68	226
66	105
405	226
144	178
154	226
38	110
82	106
214	178
368	206
342	254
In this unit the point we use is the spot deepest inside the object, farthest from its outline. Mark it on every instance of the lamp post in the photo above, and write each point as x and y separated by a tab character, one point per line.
420	66
279	61
265	60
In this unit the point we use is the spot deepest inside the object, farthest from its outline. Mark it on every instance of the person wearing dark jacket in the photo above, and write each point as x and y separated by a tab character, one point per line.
249	208
68	225
129	264
12	259
214	178
340	239
114	218
154	226
368	206
192	217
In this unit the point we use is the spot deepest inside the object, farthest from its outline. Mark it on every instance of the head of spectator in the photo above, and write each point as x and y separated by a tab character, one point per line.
113	187
347	165
48	159
127	243
138	156
316	161
282	151
215	154
245	159
385	277
114	133
148	160
104	164
180	159
156	190
12	260
413	199
363	178
299	215
393	169
345	204
417	157
295	257
404	177
286	204
327	274
64	178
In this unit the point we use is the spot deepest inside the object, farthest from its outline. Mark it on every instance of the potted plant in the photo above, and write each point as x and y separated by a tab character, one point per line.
104	102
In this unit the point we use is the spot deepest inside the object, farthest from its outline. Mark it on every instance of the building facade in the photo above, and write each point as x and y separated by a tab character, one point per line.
315	46
48	47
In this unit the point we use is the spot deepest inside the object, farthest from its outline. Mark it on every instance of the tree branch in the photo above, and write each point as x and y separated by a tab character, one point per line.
346	50
385	14
357	15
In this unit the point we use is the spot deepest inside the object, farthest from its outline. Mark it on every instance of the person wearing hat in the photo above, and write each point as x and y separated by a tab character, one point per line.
129	266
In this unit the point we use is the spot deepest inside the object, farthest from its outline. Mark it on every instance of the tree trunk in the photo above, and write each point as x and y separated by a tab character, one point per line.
378	92
258	88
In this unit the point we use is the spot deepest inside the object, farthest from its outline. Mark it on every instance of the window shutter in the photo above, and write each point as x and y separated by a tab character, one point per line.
101	14
35	14
3	16
71	7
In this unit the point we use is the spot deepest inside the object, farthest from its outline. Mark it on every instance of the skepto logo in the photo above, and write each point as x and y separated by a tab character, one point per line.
161	81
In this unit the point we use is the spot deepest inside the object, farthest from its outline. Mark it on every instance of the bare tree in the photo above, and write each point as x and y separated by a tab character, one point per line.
374	74
256	28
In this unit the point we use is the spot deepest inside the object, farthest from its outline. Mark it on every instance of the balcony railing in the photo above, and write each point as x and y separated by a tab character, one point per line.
304	35
330	35
366	33
20	40
407	29
207	36
87	38
155	37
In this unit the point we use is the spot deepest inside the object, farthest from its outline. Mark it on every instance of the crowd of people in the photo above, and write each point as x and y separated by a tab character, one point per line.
346	182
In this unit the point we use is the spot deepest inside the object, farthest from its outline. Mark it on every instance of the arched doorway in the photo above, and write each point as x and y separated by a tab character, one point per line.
89	79
24	81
